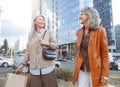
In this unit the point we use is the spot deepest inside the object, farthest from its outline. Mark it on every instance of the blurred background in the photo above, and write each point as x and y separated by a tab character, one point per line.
62	18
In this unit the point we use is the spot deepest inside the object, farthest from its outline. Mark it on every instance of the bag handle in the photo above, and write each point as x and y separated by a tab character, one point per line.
44	34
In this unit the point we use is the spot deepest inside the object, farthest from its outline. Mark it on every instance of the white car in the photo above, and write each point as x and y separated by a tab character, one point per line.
57	64
114	65
118	63
5	62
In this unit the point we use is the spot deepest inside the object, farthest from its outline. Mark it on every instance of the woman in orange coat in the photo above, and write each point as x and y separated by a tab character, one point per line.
92	62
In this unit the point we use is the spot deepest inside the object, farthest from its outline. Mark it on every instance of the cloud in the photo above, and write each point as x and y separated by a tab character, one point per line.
9	29
15	18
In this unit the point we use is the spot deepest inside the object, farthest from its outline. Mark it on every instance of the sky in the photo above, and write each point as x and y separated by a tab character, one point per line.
15	19
116	12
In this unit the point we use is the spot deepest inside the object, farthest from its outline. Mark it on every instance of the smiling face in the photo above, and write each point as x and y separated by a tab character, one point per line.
83	18
39	22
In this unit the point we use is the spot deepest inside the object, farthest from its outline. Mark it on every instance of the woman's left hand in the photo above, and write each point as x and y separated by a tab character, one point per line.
104	80
43	42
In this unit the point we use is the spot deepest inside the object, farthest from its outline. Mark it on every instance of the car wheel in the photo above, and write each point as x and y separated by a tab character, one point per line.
14	67
110	68
57	66
5	64
116	67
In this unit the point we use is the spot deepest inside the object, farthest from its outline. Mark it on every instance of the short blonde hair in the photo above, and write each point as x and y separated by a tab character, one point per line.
94	20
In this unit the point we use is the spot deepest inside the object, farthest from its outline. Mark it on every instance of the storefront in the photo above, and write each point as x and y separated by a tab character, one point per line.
67	50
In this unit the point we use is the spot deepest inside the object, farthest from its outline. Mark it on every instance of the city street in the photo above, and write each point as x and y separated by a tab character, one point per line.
69	64
4	71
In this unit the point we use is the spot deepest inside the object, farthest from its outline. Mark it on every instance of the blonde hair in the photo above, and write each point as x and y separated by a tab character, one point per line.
94	20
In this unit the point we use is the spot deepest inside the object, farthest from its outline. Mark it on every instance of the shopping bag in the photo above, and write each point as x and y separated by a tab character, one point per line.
15	80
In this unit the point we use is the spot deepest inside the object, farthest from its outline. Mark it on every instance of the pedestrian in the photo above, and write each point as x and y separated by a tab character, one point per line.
42	71
92	62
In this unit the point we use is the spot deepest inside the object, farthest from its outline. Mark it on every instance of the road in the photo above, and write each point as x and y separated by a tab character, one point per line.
4	71
69	64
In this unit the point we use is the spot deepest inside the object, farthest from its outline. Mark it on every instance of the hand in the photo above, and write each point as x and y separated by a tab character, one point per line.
19	69
43	42
104	80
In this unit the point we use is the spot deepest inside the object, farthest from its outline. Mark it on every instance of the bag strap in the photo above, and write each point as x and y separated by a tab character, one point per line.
44	34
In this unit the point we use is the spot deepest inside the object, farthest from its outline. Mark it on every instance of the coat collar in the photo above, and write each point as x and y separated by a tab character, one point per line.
80	35
89	28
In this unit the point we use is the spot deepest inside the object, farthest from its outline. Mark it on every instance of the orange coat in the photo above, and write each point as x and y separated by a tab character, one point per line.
98	55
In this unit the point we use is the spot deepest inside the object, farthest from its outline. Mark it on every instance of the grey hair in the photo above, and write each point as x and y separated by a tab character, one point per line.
33	29
94	20
37	17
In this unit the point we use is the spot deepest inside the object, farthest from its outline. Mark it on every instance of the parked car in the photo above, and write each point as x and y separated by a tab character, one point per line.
18	59
57	64
114	65
5	62
61	59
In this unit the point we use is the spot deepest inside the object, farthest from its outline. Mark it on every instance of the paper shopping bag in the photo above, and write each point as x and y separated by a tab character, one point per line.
15	80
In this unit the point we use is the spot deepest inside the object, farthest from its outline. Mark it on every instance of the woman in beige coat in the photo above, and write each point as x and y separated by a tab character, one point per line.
41	70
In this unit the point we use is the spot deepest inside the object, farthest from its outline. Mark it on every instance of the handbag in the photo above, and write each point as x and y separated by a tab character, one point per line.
15	80
49	53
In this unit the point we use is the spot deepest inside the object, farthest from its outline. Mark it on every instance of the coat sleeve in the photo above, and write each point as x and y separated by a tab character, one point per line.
76	45
26	57
52	41
104	53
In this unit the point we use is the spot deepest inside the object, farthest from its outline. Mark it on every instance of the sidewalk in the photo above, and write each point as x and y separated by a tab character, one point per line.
61	83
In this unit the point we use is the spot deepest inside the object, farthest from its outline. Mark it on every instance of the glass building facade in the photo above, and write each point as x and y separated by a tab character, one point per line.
68	18
104	8
50	11
117	37
63	18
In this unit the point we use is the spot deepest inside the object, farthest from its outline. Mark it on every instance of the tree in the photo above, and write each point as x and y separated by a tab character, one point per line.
1	49
5	46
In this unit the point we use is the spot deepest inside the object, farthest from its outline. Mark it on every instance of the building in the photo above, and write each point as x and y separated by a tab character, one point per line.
62	17
68	17
116	52
105	10
20	44
50	11
110	16
36	9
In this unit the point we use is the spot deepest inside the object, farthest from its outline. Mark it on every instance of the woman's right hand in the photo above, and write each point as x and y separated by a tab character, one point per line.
19	69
